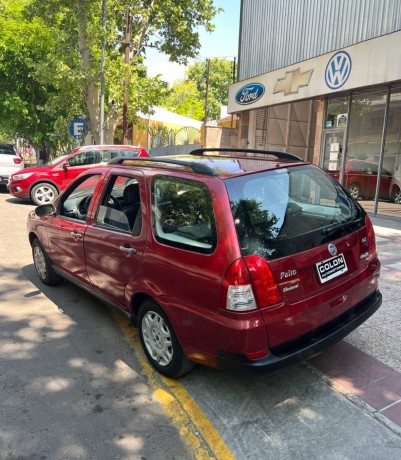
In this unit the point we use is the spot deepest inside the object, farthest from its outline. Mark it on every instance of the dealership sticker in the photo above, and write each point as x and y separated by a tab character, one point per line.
331	268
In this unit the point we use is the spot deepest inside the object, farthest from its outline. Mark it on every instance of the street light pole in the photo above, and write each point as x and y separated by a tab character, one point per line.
102	82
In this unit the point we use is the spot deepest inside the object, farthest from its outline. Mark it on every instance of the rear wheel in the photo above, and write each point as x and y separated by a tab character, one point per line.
396	196
354	190
160	343
43	266
43	193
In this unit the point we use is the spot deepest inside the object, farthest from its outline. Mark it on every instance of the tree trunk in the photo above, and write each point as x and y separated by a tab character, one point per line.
92	92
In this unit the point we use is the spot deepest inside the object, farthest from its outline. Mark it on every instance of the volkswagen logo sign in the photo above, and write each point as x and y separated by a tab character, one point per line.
250	93
332	249
338	70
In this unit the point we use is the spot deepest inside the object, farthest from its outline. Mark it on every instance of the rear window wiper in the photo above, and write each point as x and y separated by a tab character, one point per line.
340	227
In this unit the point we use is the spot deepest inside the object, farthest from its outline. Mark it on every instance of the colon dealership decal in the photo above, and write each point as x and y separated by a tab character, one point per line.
250	93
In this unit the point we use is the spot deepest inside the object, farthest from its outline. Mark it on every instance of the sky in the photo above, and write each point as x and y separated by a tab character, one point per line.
223	42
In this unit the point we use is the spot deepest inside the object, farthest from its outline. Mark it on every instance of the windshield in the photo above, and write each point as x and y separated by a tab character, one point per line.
286	211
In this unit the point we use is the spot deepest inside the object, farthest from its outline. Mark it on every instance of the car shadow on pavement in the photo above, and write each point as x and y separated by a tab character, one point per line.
64	358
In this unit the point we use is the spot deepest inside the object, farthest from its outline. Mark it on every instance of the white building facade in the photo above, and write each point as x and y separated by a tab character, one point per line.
322	79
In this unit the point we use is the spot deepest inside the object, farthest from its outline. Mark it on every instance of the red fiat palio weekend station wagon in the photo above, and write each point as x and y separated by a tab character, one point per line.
233	259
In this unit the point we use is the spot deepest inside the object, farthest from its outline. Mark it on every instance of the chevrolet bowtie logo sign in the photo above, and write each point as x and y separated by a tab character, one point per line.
292	81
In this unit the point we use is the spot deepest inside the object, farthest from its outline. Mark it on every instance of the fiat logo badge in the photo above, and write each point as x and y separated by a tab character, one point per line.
332	249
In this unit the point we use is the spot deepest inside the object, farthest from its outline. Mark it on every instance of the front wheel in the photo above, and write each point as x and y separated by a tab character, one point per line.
43	193
396	196
160	343
354	190
43	266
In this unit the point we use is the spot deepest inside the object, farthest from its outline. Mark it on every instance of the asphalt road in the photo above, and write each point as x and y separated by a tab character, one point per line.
73	386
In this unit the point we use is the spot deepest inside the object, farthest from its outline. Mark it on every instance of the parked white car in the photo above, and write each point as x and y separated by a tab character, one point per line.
10	162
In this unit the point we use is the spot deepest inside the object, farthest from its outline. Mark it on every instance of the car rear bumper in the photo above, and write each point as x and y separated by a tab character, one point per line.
4	179
305	347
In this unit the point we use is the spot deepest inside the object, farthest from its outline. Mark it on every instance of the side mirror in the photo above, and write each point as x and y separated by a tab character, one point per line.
66	164
45	210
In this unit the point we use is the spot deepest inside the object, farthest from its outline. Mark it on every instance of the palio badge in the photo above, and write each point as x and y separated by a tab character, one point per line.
250	93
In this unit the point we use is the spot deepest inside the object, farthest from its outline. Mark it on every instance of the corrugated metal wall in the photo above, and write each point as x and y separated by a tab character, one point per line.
278	33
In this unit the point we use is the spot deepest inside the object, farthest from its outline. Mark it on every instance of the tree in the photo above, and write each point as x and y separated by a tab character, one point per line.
186	100
219	80
25	100
188	96
65	62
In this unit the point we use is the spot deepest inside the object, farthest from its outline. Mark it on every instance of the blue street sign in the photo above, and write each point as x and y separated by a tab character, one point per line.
78	128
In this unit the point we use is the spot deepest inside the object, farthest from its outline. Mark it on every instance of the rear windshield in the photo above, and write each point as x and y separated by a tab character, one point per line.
286	211
8	149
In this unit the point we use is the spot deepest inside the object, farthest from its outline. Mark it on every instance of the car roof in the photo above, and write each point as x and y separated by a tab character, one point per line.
223	163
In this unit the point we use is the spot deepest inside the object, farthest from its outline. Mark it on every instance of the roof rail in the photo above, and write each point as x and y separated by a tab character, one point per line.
198	168
279	155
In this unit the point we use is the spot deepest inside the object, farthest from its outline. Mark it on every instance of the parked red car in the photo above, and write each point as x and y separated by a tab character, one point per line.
222	259
42	184
361	178
395	190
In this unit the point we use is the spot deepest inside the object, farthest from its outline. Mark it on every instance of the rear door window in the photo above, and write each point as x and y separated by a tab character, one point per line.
286	211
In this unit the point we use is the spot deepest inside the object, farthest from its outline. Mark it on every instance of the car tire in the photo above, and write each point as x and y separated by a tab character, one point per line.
159	341
396	196
354	190
43	266
43	193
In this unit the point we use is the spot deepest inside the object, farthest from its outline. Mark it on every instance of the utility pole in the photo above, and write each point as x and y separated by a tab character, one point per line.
102	82
207	88
234	80
127	43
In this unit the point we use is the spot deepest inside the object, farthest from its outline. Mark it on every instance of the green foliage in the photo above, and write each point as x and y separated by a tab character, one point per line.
185	99
188	96
220	78
50	60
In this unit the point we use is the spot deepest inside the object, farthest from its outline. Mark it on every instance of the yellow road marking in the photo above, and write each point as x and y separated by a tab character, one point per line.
193	425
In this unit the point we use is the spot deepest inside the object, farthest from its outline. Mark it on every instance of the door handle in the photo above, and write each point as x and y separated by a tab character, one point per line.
75	234
129	251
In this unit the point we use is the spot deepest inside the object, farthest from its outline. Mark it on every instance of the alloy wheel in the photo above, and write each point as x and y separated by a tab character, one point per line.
157	338
40	262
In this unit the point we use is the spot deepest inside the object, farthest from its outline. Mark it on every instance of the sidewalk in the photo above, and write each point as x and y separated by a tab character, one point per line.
366	366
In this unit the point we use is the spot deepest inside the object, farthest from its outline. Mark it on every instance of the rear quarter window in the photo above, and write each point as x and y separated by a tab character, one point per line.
183	215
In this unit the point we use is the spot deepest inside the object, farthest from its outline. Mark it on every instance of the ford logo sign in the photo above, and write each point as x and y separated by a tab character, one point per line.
332	249
250	93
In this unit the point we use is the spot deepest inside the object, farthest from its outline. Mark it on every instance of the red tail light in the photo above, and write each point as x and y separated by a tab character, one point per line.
371	238
266	289
237	292
249	284
17	161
